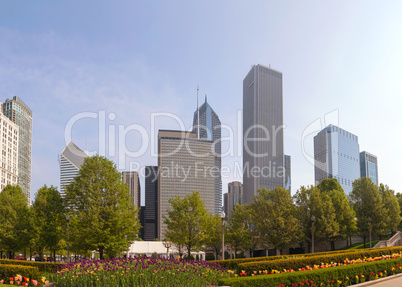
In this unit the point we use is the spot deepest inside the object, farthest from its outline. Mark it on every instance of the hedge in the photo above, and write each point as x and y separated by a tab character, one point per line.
7	271
318	276
234	263
42	266
296	263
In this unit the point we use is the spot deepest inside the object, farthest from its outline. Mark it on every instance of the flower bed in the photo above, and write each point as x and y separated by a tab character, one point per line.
328	277
141	271
303	262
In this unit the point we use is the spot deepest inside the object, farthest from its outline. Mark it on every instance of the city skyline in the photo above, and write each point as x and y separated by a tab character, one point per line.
345	59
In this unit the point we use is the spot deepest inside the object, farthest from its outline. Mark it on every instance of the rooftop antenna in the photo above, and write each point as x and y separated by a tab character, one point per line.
198	115
270	65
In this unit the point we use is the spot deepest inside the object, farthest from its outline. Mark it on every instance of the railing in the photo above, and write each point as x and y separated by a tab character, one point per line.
395	240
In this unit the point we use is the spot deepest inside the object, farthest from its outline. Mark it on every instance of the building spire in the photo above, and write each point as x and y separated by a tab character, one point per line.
205	98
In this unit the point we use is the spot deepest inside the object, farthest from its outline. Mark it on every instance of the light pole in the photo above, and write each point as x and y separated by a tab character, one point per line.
68	236
312	233
223	234
369	220
167	244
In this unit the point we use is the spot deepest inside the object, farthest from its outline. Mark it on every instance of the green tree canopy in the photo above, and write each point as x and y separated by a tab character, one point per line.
101	202
344	213
15	224
214	235
312	202
392	207
367	202
241	232
274	216
187	222
48	212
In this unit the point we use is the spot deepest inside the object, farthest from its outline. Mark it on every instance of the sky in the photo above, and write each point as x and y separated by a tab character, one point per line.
109	74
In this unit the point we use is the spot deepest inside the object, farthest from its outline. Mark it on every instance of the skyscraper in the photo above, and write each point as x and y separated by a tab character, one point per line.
369	166
133	181
71	160
263	147
210	129
234	196
288	174
18	112
9	152
336	155
151	203
184	164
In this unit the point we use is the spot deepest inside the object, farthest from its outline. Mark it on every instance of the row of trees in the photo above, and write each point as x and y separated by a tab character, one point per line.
102	217
276	220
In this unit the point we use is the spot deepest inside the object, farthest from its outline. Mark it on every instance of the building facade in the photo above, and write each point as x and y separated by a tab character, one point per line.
184	164
71	160
132	179
19	113
234	196
210	128
9	152
336	155
369	166
151	203
263	145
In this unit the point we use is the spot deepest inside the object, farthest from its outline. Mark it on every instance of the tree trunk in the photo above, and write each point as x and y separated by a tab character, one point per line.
364	239
332	245
101	253
54	255
281	251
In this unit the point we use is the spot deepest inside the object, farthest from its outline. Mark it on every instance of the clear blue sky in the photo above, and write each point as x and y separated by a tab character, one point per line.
132	58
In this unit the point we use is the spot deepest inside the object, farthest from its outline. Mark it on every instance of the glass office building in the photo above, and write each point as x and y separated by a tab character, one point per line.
18	112
210	129
369	166
336	155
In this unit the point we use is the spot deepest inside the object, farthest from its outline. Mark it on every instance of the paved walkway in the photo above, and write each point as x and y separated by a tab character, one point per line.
390	281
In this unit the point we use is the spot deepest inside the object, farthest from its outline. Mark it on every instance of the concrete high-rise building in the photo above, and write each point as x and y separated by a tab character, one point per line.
132	179
234	196
151	203
71	160
263	146
185	164
369	166
210	128
336	155
9	152
19	113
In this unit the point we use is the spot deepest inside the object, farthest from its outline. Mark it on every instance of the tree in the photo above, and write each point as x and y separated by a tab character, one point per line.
241	233
392	207
312	202
214	234
274	216
48	212
107	220
187	222
367	202
14	220
344	215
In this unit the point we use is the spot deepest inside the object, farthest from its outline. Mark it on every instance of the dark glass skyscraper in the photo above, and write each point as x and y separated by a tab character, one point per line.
210	129
151	203
263	147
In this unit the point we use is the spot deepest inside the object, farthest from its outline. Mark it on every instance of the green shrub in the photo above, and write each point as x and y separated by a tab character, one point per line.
302	262
7	271
234	263
209	257
42	266
341	273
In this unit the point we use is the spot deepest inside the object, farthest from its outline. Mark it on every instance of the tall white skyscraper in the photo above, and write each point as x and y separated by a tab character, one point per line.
9	152
71	160
263	146
210	128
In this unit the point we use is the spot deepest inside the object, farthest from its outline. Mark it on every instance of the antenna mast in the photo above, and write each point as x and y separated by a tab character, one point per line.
198	116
